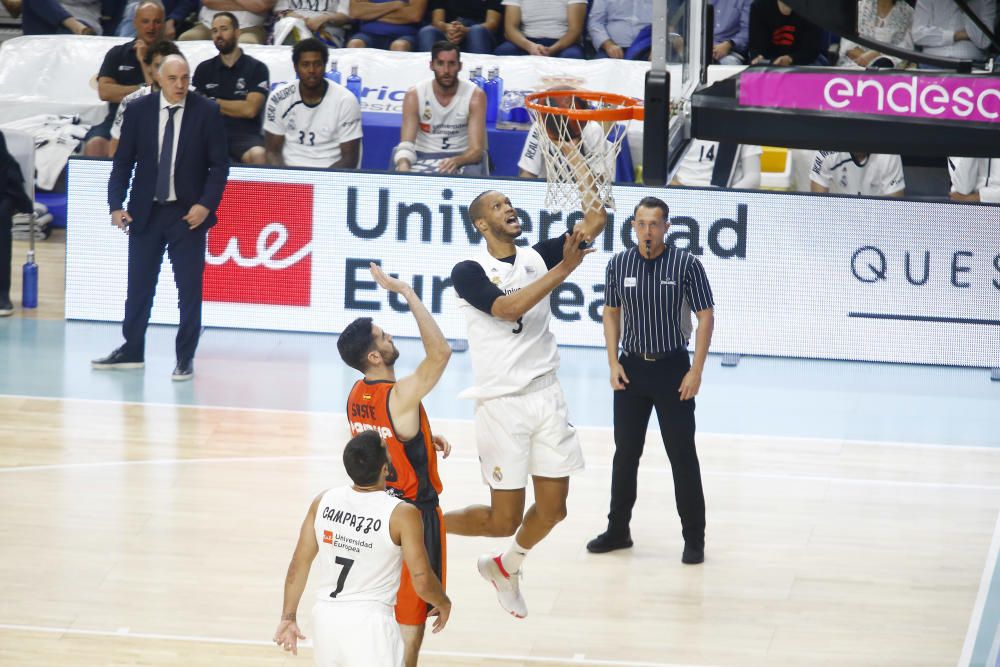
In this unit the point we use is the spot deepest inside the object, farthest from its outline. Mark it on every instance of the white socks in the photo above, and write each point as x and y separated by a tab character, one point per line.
513	557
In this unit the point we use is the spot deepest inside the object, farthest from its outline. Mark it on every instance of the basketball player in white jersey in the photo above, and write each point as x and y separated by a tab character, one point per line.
975	179
362	536
444	121
521	419
866	174
711	164
311	122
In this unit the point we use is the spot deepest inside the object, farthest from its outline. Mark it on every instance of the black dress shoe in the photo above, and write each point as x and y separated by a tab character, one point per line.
608	541
118	359
693	554
6	307
184	370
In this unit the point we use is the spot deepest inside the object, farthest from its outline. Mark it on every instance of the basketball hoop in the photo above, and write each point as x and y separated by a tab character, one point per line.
567	141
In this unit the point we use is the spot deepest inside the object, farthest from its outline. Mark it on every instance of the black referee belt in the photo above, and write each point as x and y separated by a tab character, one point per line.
655	356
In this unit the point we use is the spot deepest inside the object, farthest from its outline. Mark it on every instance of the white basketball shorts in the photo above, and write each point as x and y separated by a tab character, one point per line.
525	434
356	634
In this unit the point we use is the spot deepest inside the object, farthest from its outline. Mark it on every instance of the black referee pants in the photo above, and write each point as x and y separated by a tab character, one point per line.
655	384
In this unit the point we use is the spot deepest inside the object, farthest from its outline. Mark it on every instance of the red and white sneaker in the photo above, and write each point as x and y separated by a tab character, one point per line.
508	585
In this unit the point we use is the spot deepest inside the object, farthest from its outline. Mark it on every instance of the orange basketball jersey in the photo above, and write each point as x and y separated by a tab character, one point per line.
413	472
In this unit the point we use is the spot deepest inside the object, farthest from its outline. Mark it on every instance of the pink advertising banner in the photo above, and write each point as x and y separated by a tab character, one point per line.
963	98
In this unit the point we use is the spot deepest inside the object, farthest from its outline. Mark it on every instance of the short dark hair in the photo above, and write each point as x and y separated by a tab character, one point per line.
230	16
161	47
355	342
445	45
364	456
475	208
310	45
654	202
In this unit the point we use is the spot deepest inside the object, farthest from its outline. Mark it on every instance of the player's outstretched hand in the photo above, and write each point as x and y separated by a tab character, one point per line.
441	615
573	254
287	636
388	282
442	445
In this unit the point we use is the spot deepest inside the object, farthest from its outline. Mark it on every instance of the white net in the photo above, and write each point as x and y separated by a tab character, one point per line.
579	154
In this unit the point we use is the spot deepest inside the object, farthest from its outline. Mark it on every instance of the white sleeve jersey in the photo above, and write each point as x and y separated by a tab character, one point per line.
592	135
879	175
972	174
357	558
116	125
313	134
443	129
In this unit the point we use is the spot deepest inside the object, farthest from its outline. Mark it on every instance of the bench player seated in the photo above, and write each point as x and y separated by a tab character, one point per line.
865	174
589	136
444	121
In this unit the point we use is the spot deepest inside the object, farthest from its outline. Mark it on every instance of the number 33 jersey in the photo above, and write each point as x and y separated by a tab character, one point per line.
358	560
313	134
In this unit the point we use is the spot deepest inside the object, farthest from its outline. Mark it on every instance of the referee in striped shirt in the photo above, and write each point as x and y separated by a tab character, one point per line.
656	287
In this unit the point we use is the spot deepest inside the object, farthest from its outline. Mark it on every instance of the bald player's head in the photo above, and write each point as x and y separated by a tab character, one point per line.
174	77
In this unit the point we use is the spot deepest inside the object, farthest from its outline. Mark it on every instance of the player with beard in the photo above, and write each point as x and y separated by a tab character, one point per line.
444	121
310	123
379	402
521	419
239	84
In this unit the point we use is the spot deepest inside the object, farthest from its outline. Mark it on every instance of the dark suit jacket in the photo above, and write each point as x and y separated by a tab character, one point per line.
202	162
12	182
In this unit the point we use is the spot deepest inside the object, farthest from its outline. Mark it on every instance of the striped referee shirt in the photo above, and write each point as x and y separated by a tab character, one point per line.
657	297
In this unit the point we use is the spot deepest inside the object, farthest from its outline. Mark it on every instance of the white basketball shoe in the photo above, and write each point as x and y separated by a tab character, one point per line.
508	585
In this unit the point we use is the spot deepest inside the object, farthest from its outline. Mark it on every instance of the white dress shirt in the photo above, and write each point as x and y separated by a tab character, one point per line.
178	117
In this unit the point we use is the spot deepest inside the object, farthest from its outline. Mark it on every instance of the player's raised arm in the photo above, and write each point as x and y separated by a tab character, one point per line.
288	634
595	217
410	390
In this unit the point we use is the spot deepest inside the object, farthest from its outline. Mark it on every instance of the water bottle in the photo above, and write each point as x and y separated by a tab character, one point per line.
354	82
494	93
29	281
476	77
334	73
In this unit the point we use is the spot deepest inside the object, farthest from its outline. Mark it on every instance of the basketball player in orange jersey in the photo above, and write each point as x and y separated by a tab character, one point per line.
392	407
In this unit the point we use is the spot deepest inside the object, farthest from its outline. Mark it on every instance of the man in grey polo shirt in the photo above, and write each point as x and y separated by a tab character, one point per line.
651	291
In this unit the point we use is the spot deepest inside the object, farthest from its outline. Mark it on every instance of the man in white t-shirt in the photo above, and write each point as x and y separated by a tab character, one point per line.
444	121
868	174
543	28
302	19
707	163
312	122
252	19
974	179
360	537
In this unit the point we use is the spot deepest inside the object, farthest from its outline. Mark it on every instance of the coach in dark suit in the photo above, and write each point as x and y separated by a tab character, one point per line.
177	144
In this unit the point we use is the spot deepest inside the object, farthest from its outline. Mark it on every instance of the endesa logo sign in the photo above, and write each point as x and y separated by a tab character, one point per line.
260	250
965	98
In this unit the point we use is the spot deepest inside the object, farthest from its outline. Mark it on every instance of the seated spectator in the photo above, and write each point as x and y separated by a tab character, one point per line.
152	60
709	163
312	122
51	17
614	26
301	19
252	15
239	84
885	21
472	26
123	72
178	13
387	24
731	33
871	175
543	28
444	121
941	28
779	36
974	179
593	140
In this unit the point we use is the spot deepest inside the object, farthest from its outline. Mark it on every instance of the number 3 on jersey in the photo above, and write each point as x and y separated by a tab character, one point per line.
346	563
311	135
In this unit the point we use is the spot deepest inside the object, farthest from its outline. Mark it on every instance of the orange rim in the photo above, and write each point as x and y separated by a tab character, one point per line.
628	108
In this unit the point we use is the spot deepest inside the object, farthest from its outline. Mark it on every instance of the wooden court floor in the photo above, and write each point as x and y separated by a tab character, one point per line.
138	534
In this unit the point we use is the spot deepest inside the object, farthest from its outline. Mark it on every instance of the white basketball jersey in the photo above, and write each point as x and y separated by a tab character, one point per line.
443	129
358	560
313	134
506	356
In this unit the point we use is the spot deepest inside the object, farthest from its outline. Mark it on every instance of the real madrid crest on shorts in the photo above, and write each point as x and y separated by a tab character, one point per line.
497	474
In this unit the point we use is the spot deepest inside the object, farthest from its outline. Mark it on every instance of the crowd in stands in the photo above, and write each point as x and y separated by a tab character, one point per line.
282	126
